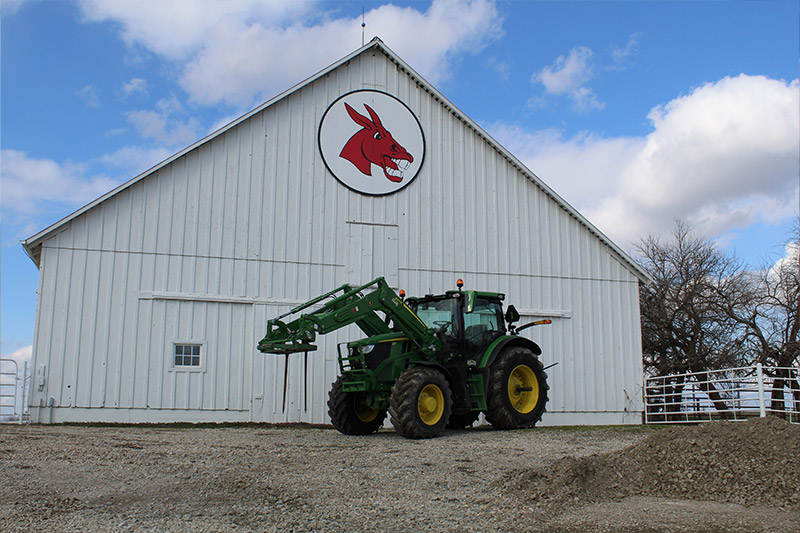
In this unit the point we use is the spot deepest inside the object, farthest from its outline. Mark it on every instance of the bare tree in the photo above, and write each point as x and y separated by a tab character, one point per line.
684	326
766	305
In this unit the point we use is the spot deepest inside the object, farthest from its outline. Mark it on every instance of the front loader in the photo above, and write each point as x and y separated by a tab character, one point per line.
431	362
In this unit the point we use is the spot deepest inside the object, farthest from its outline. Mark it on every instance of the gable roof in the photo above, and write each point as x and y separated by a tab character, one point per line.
33	244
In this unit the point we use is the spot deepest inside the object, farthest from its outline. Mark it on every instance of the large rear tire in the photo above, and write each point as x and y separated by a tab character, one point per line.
349	412
517	394
420	403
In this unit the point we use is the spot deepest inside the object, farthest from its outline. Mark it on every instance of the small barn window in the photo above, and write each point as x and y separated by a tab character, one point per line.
187	355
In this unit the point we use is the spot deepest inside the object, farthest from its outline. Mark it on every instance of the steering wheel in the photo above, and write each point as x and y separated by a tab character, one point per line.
443	325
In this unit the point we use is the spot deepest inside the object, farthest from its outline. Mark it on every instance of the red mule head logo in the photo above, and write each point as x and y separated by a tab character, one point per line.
373	144
354	142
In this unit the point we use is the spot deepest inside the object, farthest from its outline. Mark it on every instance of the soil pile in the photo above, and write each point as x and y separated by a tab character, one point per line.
753	463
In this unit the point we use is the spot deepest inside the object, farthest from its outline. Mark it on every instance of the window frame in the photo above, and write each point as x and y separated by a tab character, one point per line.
201	355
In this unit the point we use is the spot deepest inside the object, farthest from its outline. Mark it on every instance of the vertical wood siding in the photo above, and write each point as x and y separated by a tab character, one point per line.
210	246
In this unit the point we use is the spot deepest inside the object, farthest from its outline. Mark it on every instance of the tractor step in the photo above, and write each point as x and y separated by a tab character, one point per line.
477	398
355	386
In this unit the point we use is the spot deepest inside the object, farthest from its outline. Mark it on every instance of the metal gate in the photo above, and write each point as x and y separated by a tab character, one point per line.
727	394
11	408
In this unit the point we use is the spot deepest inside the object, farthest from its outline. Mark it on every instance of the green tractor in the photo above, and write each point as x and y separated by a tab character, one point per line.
432	362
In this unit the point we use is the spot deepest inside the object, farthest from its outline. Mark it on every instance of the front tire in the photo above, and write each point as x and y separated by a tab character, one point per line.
420	403
517	394
350	413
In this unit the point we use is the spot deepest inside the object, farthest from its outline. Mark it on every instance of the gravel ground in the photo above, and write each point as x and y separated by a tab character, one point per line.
257	478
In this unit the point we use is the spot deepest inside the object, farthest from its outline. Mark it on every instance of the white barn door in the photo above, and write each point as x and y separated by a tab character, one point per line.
372	251
293	388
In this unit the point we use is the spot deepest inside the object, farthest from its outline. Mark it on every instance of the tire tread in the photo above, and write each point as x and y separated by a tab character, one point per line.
499	412
403	403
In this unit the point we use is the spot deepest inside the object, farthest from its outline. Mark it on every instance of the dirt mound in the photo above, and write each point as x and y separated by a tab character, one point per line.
749	463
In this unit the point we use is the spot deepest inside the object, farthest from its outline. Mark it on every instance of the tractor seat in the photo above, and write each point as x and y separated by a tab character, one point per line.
474	334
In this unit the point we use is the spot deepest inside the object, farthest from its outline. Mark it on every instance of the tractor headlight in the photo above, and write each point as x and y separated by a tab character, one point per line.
366	349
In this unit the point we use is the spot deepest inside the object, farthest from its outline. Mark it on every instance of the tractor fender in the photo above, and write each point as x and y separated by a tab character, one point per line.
452	380
507	341
432	364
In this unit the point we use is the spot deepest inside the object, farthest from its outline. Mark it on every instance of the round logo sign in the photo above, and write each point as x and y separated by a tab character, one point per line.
371	142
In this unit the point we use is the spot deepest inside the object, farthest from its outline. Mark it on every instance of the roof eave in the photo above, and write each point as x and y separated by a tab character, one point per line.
33	251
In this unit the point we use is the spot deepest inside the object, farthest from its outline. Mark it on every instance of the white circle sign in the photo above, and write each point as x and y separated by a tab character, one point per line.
371	142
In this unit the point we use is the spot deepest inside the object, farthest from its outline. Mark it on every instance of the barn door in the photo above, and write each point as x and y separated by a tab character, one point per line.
292	388
372	251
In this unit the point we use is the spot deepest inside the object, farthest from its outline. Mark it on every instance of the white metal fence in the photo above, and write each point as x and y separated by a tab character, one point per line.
13	391
730	394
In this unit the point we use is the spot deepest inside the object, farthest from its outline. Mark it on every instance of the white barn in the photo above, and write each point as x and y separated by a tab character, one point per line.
152	298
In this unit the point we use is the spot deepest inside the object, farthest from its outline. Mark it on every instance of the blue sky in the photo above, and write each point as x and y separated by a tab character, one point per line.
637	113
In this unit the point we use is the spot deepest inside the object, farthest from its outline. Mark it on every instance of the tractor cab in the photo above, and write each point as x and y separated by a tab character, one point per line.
467	322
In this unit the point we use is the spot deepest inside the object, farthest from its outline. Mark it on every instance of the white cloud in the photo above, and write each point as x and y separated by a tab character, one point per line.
161	126
32	185
89	96
584	100
241	61
177	29
222	122
569	75
136	85
502	67
621	55
21	356
428	41
788	264
9	7
247	50
155	126
133	160
724	156
116	131
37	192
578	169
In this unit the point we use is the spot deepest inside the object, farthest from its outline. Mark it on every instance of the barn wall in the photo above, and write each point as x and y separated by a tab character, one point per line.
248	224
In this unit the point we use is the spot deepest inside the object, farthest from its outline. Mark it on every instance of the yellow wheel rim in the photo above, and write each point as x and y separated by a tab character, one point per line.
523	389
364	412
430	404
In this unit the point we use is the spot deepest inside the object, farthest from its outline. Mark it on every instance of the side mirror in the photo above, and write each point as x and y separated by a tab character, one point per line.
512	315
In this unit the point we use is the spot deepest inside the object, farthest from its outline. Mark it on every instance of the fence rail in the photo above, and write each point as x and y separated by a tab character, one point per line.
13	391
730	394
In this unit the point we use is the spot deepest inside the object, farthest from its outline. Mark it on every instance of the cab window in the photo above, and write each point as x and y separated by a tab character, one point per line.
484	323
438	314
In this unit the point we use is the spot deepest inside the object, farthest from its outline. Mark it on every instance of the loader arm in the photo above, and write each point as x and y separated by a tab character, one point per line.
343	306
